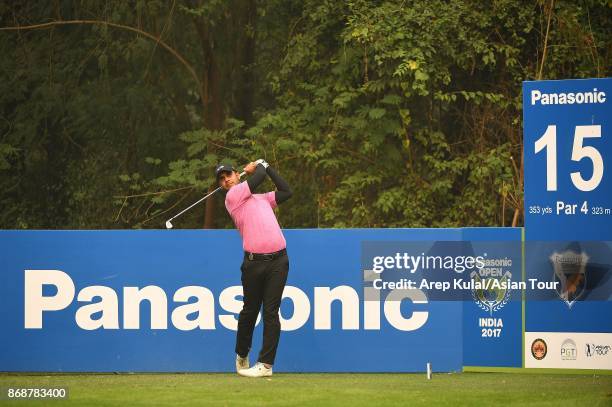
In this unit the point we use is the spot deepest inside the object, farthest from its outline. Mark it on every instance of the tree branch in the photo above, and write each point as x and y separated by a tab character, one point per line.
157	40
550	11
153	193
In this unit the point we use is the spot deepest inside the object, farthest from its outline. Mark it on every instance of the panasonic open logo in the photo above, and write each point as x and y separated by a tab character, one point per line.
571	98
194	306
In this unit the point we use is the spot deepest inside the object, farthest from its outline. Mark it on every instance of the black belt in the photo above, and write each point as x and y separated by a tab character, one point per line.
265	256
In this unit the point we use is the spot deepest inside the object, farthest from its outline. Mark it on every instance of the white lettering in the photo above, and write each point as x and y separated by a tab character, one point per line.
108	306
393	311
301	309
571	98
228	301
203	307
35	303
324	296
195	305
133	296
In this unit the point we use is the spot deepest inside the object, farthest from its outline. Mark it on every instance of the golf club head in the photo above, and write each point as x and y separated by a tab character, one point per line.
168	224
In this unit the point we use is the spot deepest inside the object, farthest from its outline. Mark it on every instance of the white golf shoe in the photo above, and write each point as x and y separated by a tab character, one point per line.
242	363
259	370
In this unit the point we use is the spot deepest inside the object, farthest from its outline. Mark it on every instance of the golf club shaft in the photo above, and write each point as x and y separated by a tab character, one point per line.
200	200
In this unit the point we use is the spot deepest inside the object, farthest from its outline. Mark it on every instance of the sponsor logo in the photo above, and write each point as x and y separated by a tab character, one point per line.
568	350
539	349
570	273
496	296
592	350
571	98
193	307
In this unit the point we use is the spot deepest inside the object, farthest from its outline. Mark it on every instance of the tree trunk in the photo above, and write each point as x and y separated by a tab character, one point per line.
212	103
235	78
245	58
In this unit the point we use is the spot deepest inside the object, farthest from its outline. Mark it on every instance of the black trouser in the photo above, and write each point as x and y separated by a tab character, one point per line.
263	282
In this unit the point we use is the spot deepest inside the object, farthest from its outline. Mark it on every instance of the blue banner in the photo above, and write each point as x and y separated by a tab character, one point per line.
168	301
568	221
568	159
492	328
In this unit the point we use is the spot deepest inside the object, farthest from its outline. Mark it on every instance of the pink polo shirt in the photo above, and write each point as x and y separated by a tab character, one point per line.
254	217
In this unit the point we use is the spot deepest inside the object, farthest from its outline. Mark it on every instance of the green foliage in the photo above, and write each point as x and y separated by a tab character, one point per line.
408	113
379	113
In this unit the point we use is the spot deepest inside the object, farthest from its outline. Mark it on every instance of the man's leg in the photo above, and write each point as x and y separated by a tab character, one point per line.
253	290
275	279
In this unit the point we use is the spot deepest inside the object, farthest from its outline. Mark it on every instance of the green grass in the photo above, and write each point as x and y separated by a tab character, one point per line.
478	389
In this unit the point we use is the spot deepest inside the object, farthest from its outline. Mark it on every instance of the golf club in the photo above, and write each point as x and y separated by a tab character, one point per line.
169	224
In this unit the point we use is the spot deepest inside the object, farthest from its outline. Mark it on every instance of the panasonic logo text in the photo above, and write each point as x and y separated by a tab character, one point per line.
571	98
194	306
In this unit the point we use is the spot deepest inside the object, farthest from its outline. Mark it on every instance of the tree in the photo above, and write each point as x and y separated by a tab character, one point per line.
379	113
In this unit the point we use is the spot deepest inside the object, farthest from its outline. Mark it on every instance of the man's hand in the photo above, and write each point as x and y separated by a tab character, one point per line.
250	168
262	162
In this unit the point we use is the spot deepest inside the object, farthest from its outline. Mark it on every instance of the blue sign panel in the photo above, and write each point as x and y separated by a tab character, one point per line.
492	320
581	300
168	301
568	159
568	220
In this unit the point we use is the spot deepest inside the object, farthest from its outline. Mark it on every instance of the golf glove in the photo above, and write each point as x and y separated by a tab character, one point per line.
262	162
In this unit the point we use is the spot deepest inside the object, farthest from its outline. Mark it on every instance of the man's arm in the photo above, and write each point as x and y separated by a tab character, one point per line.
259	174
283	191
259	169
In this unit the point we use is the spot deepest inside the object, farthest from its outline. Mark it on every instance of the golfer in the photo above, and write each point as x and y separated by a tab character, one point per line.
265	264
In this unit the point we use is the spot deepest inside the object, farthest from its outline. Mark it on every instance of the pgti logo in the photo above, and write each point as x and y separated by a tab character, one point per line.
568	350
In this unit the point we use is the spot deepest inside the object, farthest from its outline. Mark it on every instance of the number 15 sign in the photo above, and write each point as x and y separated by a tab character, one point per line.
567	145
